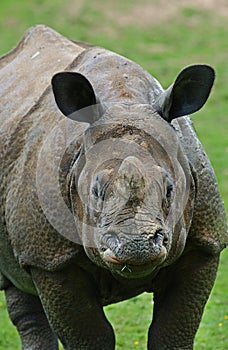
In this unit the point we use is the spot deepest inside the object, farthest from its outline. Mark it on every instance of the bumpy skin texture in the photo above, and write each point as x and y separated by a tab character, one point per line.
37	264
27	313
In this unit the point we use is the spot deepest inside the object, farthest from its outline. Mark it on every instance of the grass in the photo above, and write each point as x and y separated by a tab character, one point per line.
190	35
131	319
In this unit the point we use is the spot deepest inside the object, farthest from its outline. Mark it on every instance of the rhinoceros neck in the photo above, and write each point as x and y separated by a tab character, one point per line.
115	78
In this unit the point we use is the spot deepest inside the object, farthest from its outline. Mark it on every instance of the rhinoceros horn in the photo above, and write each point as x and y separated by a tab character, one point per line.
131	169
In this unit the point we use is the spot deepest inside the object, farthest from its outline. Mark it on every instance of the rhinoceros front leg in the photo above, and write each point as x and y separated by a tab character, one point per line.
179	304
71	301
27	314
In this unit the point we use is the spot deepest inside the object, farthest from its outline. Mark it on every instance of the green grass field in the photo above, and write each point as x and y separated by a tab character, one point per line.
163	39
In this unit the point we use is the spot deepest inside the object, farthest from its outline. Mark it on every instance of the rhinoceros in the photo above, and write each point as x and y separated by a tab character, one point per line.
106	193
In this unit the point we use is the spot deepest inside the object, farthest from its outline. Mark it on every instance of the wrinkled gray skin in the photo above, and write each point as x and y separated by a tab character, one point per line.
147	211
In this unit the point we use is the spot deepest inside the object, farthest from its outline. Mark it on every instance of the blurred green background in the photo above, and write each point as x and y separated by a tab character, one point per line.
162	37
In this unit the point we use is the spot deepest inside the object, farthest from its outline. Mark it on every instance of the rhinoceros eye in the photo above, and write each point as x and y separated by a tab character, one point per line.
98	190
169	191
101	183
95	191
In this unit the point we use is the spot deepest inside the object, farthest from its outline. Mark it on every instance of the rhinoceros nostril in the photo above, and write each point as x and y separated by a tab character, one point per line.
154	235
110	247
110	241
159	237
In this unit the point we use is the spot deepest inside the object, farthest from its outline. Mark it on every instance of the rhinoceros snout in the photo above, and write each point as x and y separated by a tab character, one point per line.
135	249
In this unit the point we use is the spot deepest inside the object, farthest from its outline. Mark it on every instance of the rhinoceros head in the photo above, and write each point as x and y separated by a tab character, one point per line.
132	189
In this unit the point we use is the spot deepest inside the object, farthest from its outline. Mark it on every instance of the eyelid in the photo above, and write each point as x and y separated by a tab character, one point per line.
100	192
95	191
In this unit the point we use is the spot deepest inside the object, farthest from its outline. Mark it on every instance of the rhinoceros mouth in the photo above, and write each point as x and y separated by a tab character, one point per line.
131	271
109	256
133	257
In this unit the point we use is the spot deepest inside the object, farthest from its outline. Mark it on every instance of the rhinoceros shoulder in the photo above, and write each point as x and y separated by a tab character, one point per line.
209	226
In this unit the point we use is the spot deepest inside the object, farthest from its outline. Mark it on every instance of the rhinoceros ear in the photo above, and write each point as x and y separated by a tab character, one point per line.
75	96
187	94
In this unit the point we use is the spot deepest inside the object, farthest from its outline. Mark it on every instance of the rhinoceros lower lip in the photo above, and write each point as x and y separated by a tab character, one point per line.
110	257
128	270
